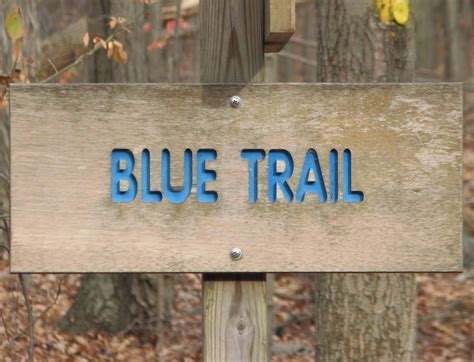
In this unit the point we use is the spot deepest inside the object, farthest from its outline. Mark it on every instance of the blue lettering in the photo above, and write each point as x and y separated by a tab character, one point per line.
204	175
176	196
333	177
348	195
253	156
123	174
311	163
276	178
147	194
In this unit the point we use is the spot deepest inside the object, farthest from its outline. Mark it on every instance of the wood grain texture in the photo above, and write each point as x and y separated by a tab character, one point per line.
234	313
406	148
235	317
231	44
280	24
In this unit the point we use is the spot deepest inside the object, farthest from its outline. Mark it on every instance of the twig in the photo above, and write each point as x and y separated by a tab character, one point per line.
10	341
6	328
10	78
445	316
6	230
29	308
53	303
4	178
5	247
298	298
6	227
52	64
91	52
78	60
129	327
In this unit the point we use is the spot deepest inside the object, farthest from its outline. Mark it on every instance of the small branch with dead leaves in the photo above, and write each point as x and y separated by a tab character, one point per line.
78	60
118	28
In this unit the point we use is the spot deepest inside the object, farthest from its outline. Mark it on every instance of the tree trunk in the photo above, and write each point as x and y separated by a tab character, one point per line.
455	54
130	302
28	57
425	25
309	74
363	317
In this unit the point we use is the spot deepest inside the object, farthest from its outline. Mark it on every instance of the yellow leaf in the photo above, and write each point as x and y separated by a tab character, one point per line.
86	39
14	24
401	11
384	8
120	55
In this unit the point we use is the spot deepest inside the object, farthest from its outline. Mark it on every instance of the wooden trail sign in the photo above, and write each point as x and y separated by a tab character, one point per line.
301	177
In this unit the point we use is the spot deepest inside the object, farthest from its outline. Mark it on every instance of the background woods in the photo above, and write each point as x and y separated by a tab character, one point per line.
141	316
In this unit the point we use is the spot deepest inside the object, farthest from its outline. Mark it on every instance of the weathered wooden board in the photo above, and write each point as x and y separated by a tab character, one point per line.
405	139
280	24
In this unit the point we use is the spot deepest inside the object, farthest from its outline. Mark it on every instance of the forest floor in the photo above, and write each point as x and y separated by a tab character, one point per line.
445	307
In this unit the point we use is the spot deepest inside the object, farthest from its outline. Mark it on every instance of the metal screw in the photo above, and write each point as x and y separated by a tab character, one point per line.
235	254
235	101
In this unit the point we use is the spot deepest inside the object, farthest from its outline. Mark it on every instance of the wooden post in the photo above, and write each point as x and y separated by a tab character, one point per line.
234	305
279	24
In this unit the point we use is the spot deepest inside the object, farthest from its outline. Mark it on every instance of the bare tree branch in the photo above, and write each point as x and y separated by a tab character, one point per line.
5	247
6	229
10	341
298	298
29	309
53	303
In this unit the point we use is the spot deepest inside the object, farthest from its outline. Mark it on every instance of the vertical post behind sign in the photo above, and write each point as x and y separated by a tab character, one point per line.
234	308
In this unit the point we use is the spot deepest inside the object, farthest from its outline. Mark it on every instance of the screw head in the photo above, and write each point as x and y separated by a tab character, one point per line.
235	254
235	101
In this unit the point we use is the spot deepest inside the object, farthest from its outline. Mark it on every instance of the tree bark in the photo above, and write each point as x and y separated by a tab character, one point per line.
29	53
309	74
114	303
363	317
455	55
425	25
